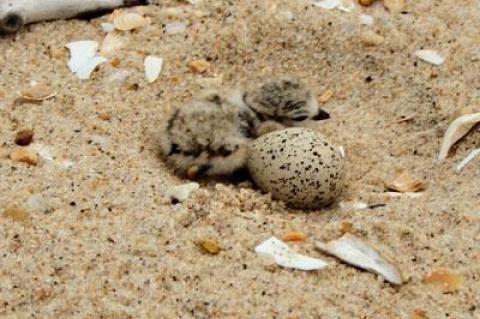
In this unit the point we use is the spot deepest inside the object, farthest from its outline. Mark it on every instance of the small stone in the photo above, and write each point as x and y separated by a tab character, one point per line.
370	38
404	183
346	227
16	214
199	66
366	2
24	155
418	314
104	116
294	236
210	246
394	6
24	137
57	53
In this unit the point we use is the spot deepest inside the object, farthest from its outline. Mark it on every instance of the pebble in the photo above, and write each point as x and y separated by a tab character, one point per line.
199	66
371	38
24	137
298	166
24	155
16	214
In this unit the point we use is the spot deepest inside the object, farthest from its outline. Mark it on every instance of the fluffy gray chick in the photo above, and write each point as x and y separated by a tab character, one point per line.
209	135
283	102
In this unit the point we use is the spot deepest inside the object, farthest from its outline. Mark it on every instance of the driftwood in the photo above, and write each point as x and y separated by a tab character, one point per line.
16	13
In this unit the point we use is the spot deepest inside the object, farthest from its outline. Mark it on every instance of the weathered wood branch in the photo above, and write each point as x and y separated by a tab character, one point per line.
16	13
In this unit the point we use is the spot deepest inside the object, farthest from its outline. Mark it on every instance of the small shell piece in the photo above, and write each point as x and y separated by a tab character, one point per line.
24	155
210	246
467	160
37	93
456	130
129	21
86	70
80	53
83	58
429	56
294	236
175	27
444	280
404	183
153	67
182	192
284	257
354	251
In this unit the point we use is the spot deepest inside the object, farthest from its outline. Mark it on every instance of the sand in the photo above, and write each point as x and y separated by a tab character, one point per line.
101	239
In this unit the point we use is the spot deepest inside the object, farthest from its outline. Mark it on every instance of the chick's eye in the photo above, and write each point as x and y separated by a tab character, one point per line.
300	118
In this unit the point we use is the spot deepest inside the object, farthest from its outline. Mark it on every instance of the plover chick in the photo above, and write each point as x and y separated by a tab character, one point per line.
283	102
209	135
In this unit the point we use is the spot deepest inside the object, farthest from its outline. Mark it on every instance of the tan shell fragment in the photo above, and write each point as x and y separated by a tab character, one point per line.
455	131
404	183
199	66
370	38
129	21
37	93
16	214
444	280
24	155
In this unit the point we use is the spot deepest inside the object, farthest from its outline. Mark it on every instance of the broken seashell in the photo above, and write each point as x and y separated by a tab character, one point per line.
182	192
354	251
444	280
80	53
334	4
404	183
294	236
175	27
83	59
284	257
129	21
107	27
199	66
456	130
153	67
112	43
429	56
37	93
467	160
86	70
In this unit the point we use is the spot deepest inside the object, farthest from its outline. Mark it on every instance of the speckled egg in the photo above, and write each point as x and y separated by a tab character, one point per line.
298	166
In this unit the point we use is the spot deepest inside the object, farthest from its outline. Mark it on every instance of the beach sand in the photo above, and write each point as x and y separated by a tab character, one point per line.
100	239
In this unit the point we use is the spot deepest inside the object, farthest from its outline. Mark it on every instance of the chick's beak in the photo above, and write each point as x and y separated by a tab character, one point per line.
321	115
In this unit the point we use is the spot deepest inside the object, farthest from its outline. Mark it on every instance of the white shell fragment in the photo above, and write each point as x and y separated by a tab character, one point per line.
86	70
107	27
334	4
153	67
83	58
456	130
429	56
354	251
182	192
467	160
282	255
80	53
175	27
365	19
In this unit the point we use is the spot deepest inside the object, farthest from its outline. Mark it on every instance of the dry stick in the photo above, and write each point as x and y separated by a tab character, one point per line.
16	13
